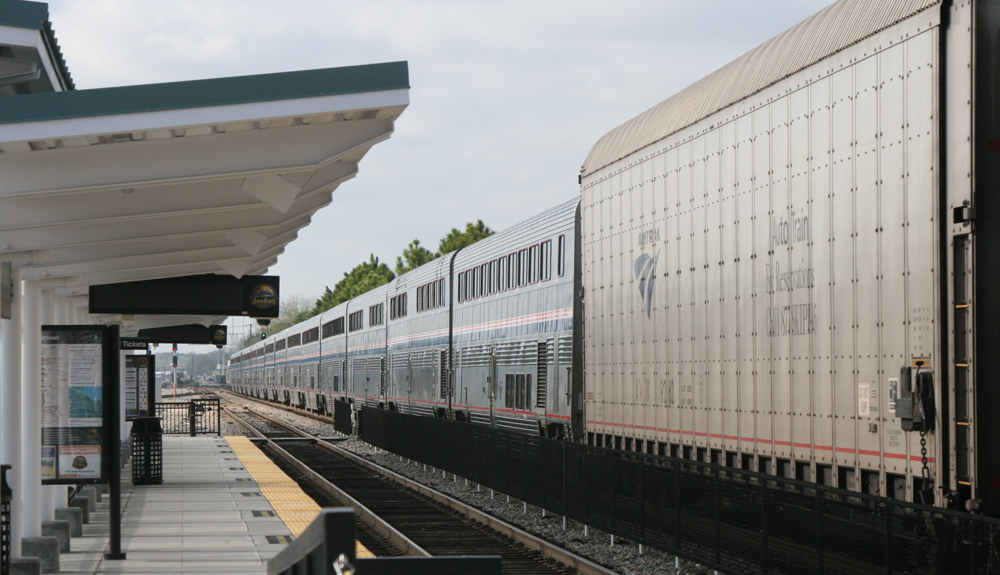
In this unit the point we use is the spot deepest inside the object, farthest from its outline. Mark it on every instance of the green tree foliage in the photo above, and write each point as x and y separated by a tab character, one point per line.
414	256
363	278
458	239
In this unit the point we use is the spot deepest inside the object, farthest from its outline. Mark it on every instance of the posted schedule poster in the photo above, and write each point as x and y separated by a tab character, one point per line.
136	386
73	397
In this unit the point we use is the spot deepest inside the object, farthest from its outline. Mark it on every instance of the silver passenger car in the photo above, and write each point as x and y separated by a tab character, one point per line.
512	325
484	334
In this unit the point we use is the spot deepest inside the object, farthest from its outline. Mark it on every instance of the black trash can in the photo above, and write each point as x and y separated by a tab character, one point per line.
5	496
147	451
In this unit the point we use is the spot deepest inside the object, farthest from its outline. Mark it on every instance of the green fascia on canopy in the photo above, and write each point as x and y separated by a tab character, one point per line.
204	93
35	16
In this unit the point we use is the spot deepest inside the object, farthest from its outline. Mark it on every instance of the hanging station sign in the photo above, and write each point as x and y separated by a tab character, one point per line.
133	343
77	398
251	296
193	334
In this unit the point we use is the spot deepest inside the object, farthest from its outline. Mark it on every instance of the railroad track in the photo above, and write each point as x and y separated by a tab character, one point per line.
230	396
262	427
266	427
418	520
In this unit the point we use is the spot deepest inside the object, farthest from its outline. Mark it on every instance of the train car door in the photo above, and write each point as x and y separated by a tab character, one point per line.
491	386
343	377
383	381
409	385
373	381
359	389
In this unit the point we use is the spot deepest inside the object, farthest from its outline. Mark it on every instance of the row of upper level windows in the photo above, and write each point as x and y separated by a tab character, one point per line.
524	267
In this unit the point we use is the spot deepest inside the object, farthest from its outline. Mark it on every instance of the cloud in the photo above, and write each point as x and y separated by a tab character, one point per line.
507	97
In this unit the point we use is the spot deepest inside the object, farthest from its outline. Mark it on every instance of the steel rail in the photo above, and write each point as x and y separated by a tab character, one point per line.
365	516
536	544
321	418
546	549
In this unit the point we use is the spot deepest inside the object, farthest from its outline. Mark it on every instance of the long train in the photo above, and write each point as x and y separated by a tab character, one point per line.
784	267
483	334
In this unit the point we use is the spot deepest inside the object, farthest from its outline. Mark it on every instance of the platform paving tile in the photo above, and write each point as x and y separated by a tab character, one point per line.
198	521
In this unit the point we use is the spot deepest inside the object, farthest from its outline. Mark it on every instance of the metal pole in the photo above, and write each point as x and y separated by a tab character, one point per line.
192	425
10	407
31	411
123	426
113	444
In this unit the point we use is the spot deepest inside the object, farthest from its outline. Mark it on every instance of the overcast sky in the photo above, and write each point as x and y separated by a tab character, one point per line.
506	98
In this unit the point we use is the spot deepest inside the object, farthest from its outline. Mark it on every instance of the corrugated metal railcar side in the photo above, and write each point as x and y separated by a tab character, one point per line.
333	353
513	324
757	279
269	366
279	389
257	366
418	338
366	353
306	363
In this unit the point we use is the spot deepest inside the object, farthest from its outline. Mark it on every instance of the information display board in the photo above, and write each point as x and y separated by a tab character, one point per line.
209	294
76	403
139	377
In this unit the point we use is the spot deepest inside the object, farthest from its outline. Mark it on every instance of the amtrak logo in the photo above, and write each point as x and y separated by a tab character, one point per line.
645	272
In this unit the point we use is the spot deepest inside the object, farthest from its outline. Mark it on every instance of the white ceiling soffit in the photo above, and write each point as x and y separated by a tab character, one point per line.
212	176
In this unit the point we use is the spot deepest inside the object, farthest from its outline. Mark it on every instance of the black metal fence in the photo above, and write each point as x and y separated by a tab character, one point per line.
191	417
342	417
5	498
727	519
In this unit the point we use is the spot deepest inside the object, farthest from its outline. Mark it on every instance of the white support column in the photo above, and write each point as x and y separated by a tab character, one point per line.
50	493
31	410
62	315
10	407
48	306
65	314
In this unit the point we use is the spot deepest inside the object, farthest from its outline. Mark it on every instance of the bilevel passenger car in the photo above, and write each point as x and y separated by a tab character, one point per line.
484	334
789	267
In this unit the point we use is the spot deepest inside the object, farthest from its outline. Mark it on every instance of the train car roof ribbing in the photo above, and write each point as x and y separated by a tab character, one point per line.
823	34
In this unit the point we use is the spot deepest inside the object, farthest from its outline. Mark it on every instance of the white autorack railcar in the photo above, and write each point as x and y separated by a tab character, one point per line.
779	261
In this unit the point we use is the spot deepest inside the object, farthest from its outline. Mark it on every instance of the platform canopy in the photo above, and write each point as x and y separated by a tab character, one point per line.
201	177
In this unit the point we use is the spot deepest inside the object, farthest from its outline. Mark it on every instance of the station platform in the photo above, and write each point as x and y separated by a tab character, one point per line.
223	507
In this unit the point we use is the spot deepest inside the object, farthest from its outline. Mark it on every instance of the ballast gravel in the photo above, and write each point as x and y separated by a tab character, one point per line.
622	557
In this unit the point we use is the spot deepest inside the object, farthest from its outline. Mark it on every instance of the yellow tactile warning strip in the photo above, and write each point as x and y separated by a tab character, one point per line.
291	504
